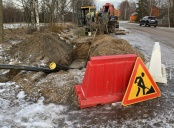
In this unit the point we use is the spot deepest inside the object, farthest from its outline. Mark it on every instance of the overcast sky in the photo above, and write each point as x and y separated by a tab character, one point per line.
100	3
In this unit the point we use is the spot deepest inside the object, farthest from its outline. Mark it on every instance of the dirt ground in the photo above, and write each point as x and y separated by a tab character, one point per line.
62	47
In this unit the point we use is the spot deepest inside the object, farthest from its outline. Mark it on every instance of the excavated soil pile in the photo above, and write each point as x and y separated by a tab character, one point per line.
47	47
108	45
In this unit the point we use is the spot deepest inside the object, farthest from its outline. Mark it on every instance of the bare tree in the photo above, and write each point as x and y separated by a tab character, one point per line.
73	10
51	5
58	9
171	13
1	22
36	7
74	5
32	14
63	8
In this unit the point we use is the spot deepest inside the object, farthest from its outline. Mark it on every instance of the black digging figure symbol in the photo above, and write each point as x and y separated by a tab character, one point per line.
141	85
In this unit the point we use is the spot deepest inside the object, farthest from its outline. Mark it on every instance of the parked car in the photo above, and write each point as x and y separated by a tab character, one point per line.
149	21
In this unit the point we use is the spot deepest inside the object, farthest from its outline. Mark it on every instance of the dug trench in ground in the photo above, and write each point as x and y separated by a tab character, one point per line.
39	49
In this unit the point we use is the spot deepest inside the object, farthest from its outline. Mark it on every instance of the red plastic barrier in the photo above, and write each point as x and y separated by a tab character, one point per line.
105	80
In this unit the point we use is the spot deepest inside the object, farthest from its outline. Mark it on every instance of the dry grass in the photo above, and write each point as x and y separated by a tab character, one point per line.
57	28
61	26
80	31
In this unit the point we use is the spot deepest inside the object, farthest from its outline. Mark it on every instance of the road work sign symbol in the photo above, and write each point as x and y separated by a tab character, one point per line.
141	86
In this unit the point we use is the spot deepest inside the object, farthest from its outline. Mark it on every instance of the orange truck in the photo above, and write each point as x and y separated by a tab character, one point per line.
110	7
113	14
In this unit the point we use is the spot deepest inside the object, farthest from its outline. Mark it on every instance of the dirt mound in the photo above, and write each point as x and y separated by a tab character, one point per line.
108	45
42	46
45	47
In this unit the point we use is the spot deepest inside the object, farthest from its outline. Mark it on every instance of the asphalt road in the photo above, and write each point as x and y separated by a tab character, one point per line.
158	34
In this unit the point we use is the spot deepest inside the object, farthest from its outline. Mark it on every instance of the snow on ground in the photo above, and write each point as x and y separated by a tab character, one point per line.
1	51
25	114
17	112
17	25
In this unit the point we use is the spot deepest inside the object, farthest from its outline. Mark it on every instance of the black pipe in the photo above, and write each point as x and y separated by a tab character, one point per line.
36	69
28	68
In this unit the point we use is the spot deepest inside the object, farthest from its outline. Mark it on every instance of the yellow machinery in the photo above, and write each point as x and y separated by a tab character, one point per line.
86	16
104	21
83	12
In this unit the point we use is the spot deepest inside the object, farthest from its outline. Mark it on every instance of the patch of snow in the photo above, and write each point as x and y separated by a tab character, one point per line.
7	84
117	104
1	90
38	115
18	25
1	49
14	26
14	42
5	72
4	104
21	95
1	117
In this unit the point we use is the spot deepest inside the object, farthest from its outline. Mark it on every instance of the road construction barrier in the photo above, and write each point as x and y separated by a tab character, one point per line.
105	80
155	67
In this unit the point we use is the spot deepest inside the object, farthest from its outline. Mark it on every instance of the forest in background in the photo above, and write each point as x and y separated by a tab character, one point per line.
50	11
56	11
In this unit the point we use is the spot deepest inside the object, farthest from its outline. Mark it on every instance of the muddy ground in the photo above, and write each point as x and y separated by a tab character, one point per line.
62	47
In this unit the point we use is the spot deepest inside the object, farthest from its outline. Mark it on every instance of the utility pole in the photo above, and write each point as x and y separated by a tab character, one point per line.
1	23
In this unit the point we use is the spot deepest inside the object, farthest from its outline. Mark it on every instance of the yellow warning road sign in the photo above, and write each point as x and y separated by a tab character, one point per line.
141	85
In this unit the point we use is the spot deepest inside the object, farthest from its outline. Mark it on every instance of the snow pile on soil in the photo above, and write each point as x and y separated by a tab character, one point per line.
55	87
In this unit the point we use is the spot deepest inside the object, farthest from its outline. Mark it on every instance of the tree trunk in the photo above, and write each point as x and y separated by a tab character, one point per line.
73	11
36	7
32	14
1	22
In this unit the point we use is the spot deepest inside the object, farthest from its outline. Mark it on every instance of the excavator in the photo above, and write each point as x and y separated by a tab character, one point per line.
105	20
86	16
